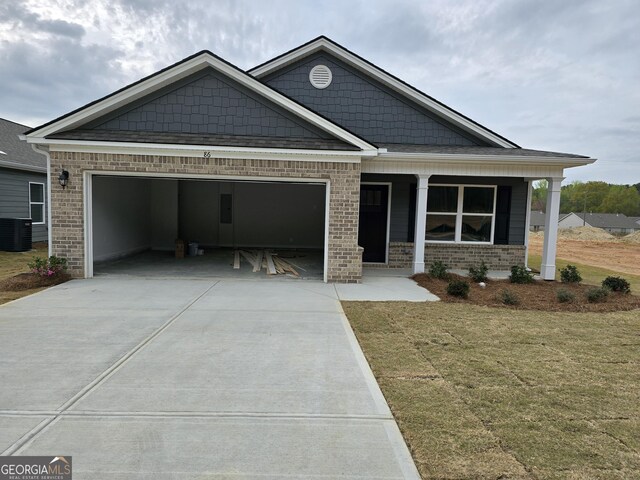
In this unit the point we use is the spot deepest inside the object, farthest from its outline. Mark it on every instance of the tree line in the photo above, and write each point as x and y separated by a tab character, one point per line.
591	197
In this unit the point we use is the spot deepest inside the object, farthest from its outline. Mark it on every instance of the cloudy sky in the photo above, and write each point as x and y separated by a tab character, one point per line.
559	75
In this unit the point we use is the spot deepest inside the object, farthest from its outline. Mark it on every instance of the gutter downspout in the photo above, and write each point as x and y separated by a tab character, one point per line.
46	154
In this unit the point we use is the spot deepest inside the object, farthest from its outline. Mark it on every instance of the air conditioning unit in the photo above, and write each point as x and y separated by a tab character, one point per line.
15	234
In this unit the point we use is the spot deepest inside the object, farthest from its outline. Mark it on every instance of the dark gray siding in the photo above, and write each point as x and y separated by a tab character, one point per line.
14	197
365	106
208	103
401	210
402	217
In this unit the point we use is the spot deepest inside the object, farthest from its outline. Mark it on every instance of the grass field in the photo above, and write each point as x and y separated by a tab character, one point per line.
491	393
13	263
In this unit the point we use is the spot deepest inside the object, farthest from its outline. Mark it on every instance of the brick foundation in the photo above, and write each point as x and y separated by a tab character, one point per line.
67	228
459	256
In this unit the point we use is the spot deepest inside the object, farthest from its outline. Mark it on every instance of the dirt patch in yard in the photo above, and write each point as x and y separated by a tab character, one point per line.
30	281
539	295
619	255
631	238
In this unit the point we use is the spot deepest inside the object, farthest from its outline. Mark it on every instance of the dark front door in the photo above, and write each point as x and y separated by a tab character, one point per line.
372	228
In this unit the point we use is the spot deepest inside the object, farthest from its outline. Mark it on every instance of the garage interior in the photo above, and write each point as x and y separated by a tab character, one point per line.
137	220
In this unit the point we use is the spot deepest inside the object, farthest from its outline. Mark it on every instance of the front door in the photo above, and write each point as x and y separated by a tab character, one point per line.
372	227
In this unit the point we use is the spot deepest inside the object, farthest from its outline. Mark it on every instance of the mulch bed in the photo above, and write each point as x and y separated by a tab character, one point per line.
540	295
30	281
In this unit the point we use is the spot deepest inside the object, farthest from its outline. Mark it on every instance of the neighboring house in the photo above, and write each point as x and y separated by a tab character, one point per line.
23	179
537	221
611	222
314	148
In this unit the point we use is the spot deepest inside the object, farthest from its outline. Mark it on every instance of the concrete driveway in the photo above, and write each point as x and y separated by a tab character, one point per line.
148	378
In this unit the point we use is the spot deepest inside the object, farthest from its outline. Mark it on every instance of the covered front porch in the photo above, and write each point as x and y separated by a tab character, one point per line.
462	215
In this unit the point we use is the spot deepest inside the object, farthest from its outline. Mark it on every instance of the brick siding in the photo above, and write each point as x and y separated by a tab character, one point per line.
458	256
344	258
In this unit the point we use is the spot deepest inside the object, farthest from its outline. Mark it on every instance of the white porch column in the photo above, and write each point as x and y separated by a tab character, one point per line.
421	223
548	267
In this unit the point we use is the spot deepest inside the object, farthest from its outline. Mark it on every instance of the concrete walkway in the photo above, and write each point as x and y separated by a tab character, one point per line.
146	378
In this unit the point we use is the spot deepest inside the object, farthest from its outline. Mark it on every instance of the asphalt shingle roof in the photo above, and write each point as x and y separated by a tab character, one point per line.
18	154
474	150
197	139
538	218
608	220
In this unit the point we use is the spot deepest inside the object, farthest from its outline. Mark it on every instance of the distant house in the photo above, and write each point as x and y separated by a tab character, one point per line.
537	221
611	222
23	179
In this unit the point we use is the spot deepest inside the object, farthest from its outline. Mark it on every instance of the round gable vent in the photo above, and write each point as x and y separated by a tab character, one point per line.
320	76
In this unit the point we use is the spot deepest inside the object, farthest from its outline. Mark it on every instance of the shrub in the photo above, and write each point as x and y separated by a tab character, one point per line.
438	270
520	274
48	267
458	288
616	284
565	296
570	274
478	274
508	297
597	294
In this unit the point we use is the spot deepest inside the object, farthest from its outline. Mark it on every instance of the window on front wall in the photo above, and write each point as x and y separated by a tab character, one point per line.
36	202
460	213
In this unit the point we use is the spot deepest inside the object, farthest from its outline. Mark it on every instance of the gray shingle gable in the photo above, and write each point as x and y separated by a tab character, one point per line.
365	106
208	103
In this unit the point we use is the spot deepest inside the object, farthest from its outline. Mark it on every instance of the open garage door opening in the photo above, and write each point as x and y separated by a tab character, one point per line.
229	228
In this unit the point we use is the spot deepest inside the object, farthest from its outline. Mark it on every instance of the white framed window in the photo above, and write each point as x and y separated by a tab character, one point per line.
461	213
36	203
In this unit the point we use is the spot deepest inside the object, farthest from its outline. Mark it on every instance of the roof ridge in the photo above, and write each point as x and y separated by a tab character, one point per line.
15	123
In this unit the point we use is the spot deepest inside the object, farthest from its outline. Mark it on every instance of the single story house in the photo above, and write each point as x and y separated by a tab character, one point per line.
611	222
537	219
315	148
23	180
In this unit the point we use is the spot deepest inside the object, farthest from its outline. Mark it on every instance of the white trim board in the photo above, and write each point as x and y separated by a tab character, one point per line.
460	214
386	79
22	166
182	70
468	168
198	151
43	203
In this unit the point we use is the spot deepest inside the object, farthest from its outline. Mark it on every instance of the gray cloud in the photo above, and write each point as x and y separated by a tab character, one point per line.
556	75
17	14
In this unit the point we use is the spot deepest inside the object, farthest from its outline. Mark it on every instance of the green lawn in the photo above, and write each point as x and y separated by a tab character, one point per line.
493	393
590	275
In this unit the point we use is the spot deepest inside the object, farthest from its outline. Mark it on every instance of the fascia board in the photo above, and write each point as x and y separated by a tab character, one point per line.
489	159
190	150
22	166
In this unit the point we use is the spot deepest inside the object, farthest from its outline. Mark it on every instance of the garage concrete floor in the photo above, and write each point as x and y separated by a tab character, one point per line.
150	378
215	263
